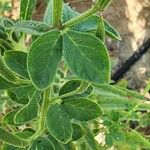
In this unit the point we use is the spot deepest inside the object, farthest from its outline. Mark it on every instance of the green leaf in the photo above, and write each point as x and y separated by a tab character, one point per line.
118	136
73	85
78	132
48	16
30	27
69	13
17	62
93	60
60	146
90	142
27	8
108	140
25	91
82	109
9	118
43	59
6	84
111	32
11	139
41	143
134	138
15	99
5	72
58	123
30	111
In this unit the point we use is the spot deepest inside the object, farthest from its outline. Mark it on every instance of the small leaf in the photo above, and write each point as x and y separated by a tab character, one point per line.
27	8
90	142
134	138
15	99
60	146
118	136
17	62
30	27
111	32
69	13
11	139
109	140
30	111
43	59
72	85
48	16
41	143
6	84
78	132
82	109
93	60
9	118
61	127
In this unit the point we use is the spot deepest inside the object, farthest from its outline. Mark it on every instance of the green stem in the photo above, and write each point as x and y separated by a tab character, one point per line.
57	12
83	16
79	90
42	115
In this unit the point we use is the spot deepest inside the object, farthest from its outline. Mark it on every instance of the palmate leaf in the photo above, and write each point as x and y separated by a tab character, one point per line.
86	57
11	139
43	59
17	62
26	9
59	124
82	109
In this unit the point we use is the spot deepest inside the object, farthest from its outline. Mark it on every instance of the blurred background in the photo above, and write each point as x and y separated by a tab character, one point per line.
132	20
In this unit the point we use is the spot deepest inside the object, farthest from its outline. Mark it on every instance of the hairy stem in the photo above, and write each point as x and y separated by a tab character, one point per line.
83	16
43	111
57	12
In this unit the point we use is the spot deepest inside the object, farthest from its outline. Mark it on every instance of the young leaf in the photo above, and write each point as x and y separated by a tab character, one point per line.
48	16
27	8
30	27
58	123
72	85
68	13
78	132
30	111
109	140
82	109
11	139
43	59
93	60
17	62
41	143
111	32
